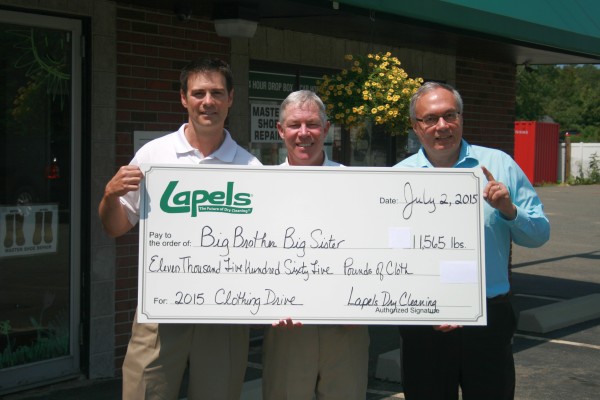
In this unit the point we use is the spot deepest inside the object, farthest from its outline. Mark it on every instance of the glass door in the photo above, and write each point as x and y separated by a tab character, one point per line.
40	64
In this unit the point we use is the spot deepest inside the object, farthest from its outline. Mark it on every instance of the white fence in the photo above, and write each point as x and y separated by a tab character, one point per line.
580	158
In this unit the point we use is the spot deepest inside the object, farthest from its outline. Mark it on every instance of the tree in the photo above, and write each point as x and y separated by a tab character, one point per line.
534	86
569	94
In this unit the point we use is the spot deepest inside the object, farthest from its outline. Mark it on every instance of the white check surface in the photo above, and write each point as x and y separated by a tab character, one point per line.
323	245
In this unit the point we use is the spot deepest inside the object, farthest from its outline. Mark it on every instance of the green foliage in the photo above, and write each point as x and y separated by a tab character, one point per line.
594	172
43	58
593	175
52	341
533	87
590	134
570	95
4	330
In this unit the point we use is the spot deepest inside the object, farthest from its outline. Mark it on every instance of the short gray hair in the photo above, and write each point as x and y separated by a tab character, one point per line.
428	87
300	98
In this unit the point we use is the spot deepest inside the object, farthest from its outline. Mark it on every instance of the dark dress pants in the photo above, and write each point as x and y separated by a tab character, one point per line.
479	359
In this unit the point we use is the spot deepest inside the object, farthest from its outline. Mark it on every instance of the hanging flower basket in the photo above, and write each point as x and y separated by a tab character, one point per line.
374	88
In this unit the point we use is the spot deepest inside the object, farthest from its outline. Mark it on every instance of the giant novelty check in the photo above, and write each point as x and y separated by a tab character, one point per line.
322	245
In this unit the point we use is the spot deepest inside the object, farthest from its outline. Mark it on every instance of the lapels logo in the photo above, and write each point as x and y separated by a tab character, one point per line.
203	201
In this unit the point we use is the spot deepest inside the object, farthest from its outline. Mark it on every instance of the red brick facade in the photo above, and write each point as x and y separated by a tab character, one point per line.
488	90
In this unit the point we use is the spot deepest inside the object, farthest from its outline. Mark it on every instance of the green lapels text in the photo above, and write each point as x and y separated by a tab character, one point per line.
203	201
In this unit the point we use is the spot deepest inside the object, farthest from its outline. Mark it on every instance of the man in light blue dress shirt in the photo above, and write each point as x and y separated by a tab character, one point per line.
437	360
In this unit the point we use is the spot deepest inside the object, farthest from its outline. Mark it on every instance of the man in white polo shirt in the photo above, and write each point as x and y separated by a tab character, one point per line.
158	354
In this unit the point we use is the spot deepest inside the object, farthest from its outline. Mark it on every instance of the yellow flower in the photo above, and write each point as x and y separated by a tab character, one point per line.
374	88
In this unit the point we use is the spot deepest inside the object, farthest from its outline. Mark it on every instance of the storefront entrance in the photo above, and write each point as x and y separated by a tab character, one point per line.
40	74
269	85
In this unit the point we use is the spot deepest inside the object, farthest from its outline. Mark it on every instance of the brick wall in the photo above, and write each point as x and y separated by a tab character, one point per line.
488	90
152	47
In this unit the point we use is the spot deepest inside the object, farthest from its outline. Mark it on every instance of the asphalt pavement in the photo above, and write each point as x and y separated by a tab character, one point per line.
559	364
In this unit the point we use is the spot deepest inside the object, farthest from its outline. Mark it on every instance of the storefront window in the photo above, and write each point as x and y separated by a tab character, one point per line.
36	210
365	146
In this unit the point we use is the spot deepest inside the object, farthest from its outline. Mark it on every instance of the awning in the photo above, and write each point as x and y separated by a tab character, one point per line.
564	26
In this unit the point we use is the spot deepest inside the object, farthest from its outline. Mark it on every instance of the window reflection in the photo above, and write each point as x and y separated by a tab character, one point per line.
35	150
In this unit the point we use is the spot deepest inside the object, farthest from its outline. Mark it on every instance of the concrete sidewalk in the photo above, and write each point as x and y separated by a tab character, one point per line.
560	364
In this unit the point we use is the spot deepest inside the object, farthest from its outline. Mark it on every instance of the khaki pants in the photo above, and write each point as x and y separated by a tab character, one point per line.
158	355
322	361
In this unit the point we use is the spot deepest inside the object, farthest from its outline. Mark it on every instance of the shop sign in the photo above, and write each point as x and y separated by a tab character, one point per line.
28	229
263	85
266	91
308	83
263	122
272	86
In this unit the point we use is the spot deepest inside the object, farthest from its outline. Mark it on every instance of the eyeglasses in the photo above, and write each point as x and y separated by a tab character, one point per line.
431	120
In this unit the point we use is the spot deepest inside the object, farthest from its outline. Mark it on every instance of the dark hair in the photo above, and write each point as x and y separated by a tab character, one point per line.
206	65
300	98
428	87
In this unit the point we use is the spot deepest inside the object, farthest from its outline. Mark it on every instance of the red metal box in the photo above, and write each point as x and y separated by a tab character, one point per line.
536	150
